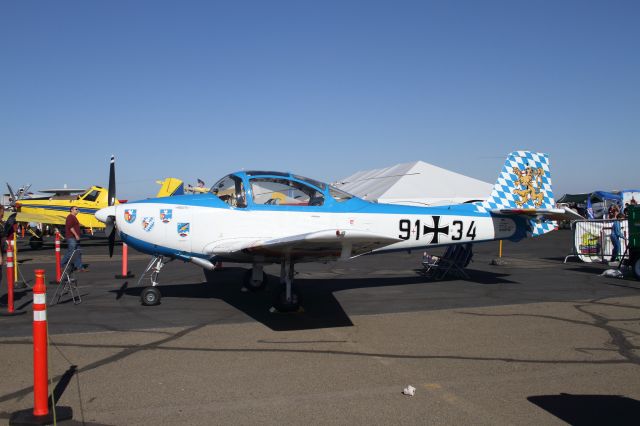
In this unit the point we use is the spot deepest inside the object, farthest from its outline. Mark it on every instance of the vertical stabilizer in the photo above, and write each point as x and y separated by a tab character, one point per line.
524	182
169	187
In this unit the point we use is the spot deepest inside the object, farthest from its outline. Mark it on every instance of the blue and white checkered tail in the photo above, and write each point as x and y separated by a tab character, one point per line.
524	183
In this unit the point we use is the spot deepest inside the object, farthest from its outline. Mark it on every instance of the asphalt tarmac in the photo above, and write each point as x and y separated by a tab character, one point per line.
533	341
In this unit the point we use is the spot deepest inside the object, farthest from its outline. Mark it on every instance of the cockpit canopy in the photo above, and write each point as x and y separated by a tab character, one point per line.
258	188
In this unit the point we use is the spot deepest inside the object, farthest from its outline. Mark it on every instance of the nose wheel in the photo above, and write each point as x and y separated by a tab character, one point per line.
150	296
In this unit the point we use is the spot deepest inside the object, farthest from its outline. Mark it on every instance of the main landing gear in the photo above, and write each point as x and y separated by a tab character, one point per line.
286	299
36	240
151	295
255	279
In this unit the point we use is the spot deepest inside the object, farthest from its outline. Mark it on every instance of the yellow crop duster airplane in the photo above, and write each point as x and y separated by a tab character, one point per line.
55	209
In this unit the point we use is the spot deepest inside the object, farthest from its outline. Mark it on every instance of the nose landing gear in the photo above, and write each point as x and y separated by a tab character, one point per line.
151	296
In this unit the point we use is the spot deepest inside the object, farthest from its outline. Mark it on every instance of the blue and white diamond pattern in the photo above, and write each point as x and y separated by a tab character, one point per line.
502	196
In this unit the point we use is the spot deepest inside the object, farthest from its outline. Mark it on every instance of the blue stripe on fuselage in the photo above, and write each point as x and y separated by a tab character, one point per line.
355	205
155	250
197	200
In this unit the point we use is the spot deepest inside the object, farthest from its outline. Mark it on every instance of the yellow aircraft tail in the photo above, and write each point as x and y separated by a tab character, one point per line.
169	187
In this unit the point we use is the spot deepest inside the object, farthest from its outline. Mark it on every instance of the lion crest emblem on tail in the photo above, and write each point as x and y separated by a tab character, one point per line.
529	186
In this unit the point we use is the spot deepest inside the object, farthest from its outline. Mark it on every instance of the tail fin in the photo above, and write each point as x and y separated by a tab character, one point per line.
169	187
524	183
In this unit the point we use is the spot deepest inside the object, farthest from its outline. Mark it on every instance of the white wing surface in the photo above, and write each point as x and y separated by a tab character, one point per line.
327	244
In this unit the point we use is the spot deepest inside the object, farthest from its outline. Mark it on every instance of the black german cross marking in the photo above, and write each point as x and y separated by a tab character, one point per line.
436	230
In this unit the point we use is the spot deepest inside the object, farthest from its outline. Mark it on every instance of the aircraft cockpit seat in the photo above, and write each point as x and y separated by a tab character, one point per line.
316	201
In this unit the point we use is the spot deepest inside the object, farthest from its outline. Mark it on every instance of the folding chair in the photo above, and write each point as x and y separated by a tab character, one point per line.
463	260
431	264
68	283
453	261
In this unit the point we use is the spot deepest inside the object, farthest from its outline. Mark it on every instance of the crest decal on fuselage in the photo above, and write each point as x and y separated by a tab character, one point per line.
130	215
166	215
184	229
147	223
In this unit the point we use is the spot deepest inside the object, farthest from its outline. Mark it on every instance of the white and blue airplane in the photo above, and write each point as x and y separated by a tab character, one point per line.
267	217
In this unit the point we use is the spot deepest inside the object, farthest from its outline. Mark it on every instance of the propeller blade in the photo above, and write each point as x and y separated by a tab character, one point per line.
25	192
110	229
112	182
11	194
109	225
112	241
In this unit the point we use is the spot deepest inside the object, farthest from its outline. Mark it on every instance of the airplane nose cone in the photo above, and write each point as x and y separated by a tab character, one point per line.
104	213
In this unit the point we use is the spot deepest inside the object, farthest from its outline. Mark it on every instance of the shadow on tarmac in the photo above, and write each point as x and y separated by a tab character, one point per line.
62	385
18	295
590	409
321	309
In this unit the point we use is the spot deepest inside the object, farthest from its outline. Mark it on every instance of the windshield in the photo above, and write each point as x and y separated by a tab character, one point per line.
92	196
313	182
285	192
230	190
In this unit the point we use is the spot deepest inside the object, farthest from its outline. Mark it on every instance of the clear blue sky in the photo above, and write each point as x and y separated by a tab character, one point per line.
198	89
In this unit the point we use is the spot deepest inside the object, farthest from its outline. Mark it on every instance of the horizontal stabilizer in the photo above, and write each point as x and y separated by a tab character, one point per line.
541	214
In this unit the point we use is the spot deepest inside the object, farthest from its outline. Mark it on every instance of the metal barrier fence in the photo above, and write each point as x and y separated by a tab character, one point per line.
592	239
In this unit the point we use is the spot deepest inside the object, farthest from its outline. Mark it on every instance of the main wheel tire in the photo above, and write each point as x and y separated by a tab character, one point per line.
36	243
150	296
252	284
284	305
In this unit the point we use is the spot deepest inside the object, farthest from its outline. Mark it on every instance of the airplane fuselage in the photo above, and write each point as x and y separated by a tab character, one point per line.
55	210
203	226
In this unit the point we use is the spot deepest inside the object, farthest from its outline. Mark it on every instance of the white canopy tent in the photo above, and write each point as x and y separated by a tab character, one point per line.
416	183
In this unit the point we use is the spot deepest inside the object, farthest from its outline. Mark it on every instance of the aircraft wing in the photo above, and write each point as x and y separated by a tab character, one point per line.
546	214
37	218
327	244
63	191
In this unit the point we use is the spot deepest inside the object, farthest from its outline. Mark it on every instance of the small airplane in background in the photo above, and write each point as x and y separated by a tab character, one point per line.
175	186
200	188
266	217
54	209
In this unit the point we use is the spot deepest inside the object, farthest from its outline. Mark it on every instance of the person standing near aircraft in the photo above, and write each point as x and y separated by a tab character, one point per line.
616	234
72	235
